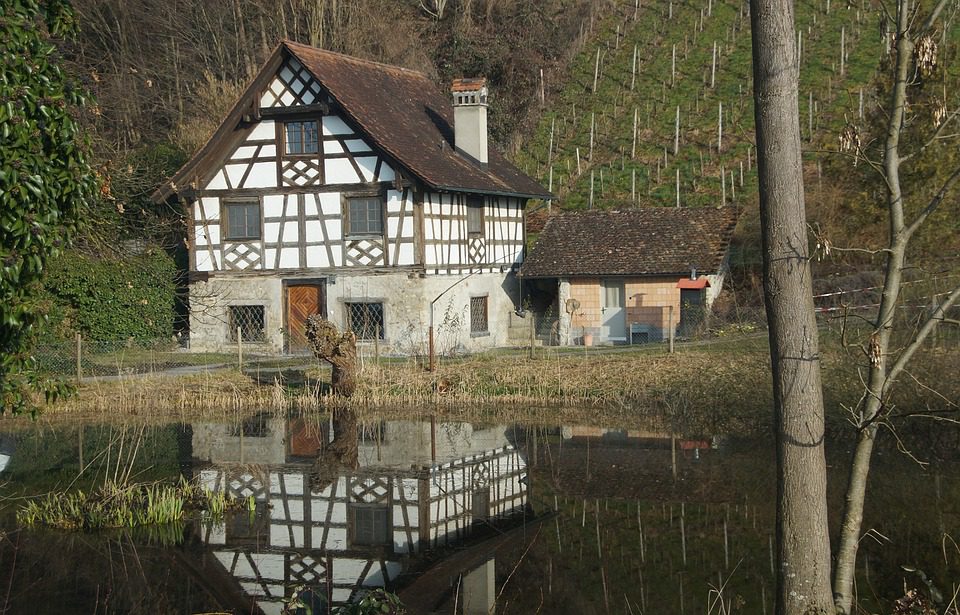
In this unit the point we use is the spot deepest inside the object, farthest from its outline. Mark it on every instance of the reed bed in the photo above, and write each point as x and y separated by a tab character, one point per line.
115	505
713	385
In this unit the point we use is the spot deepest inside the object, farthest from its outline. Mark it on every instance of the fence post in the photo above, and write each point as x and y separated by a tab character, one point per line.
239	349
670	326
533	331
673	456
79	361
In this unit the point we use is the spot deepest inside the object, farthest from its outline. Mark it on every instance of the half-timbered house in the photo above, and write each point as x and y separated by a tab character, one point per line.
630	276
356	190
416	486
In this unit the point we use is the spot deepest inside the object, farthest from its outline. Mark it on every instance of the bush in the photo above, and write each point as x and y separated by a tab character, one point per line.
112	299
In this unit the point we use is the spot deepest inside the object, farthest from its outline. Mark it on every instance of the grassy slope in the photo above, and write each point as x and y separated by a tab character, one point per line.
654	98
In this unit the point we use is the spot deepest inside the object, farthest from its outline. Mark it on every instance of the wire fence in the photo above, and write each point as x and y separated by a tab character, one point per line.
83	358
840	316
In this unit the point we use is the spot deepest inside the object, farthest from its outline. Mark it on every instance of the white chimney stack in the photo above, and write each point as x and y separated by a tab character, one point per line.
470	117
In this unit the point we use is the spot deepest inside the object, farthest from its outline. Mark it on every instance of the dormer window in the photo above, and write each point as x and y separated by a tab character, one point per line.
302	137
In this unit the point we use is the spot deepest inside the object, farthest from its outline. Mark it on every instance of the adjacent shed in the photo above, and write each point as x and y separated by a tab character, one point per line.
630	276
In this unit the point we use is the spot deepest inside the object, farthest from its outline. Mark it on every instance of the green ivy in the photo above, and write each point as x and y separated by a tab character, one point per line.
45	180
109	299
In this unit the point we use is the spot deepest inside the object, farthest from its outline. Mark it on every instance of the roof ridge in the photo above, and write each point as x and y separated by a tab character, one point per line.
643	209
382	65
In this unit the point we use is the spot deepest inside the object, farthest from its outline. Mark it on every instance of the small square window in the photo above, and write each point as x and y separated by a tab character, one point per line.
366	215
481	504
247	321
365	320
243	220
302	137
478	315
371	525
475	216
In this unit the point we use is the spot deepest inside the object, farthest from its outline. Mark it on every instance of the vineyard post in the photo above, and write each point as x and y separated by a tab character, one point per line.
713	67
676	133
596	71
843	52
678	186
719	127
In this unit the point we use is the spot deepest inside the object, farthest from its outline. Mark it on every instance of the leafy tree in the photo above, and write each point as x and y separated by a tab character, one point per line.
45	179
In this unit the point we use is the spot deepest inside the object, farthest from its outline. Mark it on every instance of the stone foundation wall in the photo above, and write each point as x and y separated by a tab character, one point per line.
406	298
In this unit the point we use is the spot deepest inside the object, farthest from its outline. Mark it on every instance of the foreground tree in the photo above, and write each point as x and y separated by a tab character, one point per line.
916	59
890	343
803	545
45	180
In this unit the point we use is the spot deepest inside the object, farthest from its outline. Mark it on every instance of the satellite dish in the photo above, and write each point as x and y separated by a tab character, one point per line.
572	305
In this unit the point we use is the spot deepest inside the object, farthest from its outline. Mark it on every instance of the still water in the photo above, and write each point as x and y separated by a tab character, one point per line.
454	517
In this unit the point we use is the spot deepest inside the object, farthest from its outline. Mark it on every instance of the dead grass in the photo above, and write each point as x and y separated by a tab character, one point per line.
719	387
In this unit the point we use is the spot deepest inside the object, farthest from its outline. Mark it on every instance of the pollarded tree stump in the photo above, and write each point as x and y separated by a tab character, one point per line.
337	349
342	453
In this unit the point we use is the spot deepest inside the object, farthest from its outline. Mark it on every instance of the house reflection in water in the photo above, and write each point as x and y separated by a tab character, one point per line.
342	507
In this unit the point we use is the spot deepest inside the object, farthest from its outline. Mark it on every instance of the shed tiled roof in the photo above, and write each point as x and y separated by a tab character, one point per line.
403	113
635	242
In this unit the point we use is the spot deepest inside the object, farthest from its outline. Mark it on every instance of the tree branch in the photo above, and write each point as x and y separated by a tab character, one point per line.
932	17
934	202
927	328
936	136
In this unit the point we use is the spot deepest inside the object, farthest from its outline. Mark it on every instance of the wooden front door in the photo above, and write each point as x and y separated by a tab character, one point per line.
303	300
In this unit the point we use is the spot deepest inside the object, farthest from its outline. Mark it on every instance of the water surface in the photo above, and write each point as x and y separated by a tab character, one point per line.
553	519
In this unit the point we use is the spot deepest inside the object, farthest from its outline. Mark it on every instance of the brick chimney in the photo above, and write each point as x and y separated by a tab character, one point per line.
470	117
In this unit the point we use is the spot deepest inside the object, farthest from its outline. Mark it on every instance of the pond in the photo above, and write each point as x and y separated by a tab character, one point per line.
454	517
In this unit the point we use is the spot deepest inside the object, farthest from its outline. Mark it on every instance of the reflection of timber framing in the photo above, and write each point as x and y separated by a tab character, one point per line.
359	529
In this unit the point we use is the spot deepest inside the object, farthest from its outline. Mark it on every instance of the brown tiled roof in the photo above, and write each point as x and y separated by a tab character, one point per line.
635	242
405	114
401	111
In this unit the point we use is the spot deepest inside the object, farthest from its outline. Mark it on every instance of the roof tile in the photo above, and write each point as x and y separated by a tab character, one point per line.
405	114
635	242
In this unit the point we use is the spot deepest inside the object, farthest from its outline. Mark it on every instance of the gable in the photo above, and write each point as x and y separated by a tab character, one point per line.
293	85
394	112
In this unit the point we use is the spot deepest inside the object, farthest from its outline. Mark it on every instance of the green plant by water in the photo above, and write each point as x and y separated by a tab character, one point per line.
115	505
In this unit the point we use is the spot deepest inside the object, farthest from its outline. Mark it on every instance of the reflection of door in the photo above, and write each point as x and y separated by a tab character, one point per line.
303	300
612	305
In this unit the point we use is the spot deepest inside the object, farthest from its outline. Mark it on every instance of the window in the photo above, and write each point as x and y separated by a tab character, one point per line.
302	137
371	525
365	320
366	215
475	216
478	314
248	528
249	321
243	219
481	504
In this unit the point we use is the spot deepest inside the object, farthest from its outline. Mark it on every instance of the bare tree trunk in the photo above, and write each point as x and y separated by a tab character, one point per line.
884	367
803	545
339	350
